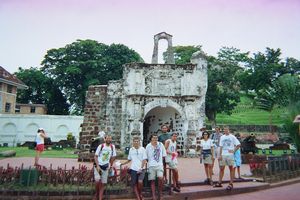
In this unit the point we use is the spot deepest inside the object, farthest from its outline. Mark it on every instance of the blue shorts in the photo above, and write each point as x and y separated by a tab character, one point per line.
237	158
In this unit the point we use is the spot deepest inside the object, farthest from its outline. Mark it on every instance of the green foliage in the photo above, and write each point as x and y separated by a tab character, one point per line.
223	86
83	63
183	54
264	68
42	90
290	127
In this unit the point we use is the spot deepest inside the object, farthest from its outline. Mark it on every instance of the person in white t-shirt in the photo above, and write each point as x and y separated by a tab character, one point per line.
103	162
171	160
207	156
138	158
155	153
229	144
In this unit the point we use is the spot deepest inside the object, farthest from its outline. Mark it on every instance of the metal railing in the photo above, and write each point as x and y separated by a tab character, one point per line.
276	168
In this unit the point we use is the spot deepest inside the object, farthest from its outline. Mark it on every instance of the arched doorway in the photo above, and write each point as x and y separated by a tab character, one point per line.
159	116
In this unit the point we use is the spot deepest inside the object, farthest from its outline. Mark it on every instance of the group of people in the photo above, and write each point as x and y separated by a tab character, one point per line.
224	147
160	152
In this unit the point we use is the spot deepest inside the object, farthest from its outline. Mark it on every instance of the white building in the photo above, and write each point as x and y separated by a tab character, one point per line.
19	128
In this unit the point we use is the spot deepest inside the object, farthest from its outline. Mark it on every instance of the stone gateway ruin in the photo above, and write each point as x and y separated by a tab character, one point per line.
148	96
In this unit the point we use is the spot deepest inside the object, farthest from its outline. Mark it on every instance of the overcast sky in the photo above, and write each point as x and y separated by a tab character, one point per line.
28	28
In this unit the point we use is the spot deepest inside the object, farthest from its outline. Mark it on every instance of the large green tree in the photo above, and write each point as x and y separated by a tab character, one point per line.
223	85
41	90
263	68
83	63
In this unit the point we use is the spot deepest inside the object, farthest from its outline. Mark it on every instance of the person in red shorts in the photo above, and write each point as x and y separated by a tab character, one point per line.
40	137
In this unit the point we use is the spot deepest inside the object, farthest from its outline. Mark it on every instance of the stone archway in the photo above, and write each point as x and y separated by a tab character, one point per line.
163	115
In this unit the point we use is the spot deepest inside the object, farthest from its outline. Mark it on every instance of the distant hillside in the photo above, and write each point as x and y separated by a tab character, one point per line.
245	113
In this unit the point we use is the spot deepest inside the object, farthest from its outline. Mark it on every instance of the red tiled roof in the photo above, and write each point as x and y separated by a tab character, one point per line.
7	77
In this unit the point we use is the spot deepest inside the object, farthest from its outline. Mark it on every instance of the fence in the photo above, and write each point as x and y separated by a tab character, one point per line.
42	182
276	168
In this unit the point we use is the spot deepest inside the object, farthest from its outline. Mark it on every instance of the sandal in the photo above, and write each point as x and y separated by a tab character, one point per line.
230	186
218	185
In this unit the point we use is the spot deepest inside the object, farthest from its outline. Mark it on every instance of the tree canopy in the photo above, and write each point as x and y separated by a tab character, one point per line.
83	63
42	90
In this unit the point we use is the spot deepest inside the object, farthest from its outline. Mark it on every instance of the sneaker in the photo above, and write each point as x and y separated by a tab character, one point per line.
175	189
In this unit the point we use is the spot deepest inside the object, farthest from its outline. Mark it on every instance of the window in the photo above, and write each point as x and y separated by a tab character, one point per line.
17	109
9	88
32	109
7	107
0	86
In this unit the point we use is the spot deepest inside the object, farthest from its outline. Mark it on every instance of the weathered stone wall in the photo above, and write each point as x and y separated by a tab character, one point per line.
94	114
114	111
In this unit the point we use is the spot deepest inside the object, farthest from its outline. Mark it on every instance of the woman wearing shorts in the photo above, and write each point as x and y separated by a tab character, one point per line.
206	153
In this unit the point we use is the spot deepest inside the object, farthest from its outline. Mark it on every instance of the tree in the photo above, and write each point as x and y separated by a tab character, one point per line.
283	91
223	88
83	63
42	90
223	85
182	54
264	68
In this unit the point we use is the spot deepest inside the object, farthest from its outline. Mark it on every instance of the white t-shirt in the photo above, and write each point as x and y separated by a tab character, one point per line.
155	154
205	145
171	148
137	156
228	142
39	139
105	154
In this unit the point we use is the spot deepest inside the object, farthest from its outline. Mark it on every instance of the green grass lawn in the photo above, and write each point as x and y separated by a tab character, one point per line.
25	152
246	114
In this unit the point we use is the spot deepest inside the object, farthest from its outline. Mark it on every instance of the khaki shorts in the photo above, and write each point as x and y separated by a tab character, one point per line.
216	152
103	177
154	172
172	165
227	160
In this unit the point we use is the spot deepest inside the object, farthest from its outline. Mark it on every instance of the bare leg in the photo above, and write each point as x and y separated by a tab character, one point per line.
153	189
102	187
140	187
160	186
212	168
97	187
206	170
239	171
175	177
221	174
37	156
231	173
210	172
135	188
